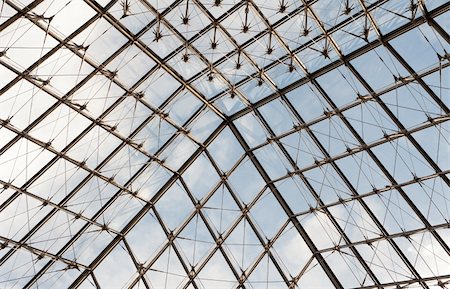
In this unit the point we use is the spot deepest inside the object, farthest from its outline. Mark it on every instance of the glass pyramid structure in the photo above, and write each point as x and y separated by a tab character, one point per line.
166	144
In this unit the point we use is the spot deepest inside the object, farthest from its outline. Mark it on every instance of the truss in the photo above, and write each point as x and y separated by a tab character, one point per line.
224	144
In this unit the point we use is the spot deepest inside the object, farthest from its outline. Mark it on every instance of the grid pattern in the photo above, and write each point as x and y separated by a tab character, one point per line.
224	144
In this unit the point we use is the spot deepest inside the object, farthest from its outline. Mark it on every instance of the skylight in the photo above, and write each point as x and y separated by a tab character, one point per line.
224	144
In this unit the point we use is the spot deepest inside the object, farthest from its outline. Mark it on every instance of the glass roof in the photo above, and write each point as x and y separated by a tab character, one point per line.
168	144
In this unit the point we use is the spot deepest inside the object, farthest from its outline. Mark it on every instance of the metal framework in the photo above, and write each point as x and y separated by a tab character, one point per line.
224	144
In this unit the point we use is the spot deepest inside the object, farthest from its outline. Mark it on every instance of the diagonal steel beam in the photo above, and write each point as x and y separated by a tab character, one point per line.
326	268
353	55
